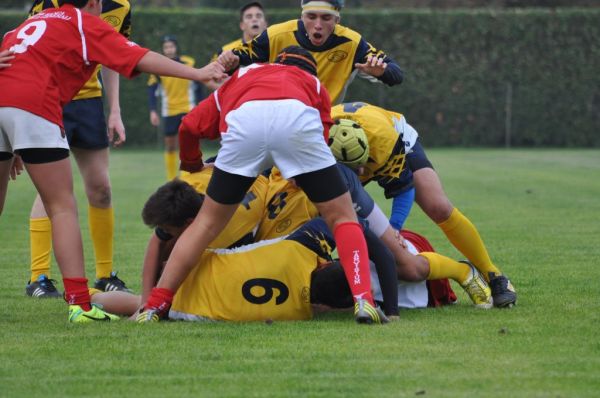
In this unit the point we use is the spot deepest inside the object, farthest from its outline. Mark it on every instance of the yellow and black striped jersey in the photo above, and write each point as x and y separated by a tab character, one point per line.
287	208
177	95
117	13
386	145
246	218
335	59
265	280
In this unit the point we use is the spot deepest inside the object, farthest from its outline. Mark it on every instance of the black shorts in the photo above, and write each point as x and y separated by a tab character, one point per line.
171	124
417	159
84	124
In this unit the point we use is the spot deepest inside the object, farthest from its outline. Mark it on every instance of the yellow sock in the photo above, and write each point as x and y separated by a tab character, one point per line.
40	241
102	231
171	164
441	267
464	236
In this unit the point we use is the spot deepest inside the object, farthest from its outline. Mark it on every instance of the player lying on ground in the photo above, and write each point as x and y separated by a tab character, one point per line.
374	141
225	284
268	114
291	207
62	47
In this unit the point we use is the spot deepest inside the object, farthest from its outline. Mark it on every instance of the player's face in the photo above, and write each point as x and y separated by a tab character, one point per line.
253	22
169	49
319	26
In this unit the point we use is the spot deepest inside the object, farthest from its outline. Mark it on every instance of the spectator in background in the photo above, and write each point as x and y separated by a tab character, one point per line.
178	97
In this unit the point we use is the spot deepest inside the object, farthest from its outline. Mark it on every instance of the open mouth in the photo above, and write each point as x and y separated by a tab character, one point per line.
255	26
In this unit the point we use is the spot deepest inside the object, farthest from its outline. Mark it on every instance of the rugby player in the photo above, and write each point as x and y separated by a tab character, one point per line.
340	52
62	47
395	158
269	114
89	137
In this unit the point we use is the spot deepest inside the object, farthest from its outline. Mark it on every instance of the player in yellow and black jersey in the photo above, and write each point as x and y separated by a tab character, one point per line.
393	143
178	97
267	280
89	136
340	52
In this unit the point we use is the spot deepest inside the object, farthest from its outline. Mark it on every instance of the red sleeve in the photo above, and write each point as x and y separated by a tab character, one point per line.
325	111
109	48
201	122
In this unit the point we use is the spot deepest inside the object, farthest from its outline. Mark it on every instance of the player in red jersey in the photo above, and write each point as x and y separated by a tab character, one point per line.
267	114
61	48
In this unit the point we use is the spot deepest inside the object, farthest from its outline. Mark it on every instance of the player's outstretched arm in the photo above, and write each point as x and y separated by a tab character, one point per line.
5	57
157	64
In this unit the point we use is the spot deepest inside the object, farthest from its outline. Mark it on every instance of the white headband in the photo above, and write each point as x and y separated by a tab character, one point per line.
324	7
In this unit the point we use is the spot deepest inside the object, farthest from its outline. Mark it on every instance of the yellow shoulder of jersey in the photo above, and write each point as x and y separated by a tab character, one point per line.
231	45
186	59
282	28
347	32
116	14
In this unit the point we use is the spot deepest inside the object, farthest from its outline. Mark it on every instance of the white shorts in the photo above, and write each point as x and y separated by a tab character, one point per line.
20	129
285	133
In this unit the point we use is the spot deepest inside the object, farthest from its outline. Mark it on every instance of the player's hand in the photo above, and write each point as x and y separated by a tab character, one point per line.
229	60
115	125
16	168
154	119
374	66
400	238
212	72
5	57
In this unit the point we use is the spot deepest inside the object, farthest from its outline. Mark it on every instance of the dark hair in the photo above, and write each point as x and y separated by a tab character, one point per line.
298	56
250	5
74	3
329	286
172	204
167	38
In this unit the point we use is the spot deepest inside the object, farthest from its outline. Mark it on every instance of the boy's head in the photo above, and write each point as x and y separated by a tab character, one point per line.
172	207
91	6
319	19
252	20
298	56
169	46
329	286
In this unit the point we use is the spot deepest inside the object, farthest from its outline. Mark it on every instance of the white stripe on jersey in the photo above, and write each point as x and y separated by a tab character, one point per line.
83	44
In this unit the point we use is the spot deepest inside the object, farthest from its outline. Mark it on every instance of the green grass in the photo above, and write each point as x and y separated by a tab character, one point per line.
538	211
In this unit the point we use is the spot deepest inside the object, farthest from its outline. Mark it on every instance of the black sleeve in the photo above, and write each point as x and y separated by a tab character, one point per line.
386	271
255	51
392	75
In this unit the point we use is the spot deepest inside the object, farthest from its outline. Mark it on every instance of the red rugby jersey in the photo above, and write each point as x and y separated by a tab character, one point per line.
251	83
56	52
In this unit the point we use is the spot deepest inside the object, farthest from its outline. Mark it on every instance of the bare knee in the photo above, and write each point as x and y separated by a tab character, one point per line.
99	195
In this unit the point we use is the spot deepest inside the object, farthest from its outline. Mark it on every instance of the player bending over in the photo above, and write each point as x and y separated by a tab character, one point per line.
267	114
62	48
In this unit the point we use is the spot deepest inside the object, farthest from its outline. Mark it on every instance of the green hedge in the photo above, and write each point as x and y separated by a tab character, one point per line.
472	77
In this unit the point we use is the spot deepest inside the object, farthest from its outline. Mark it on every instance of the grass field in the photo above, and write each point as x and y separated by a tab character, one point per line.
538	211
